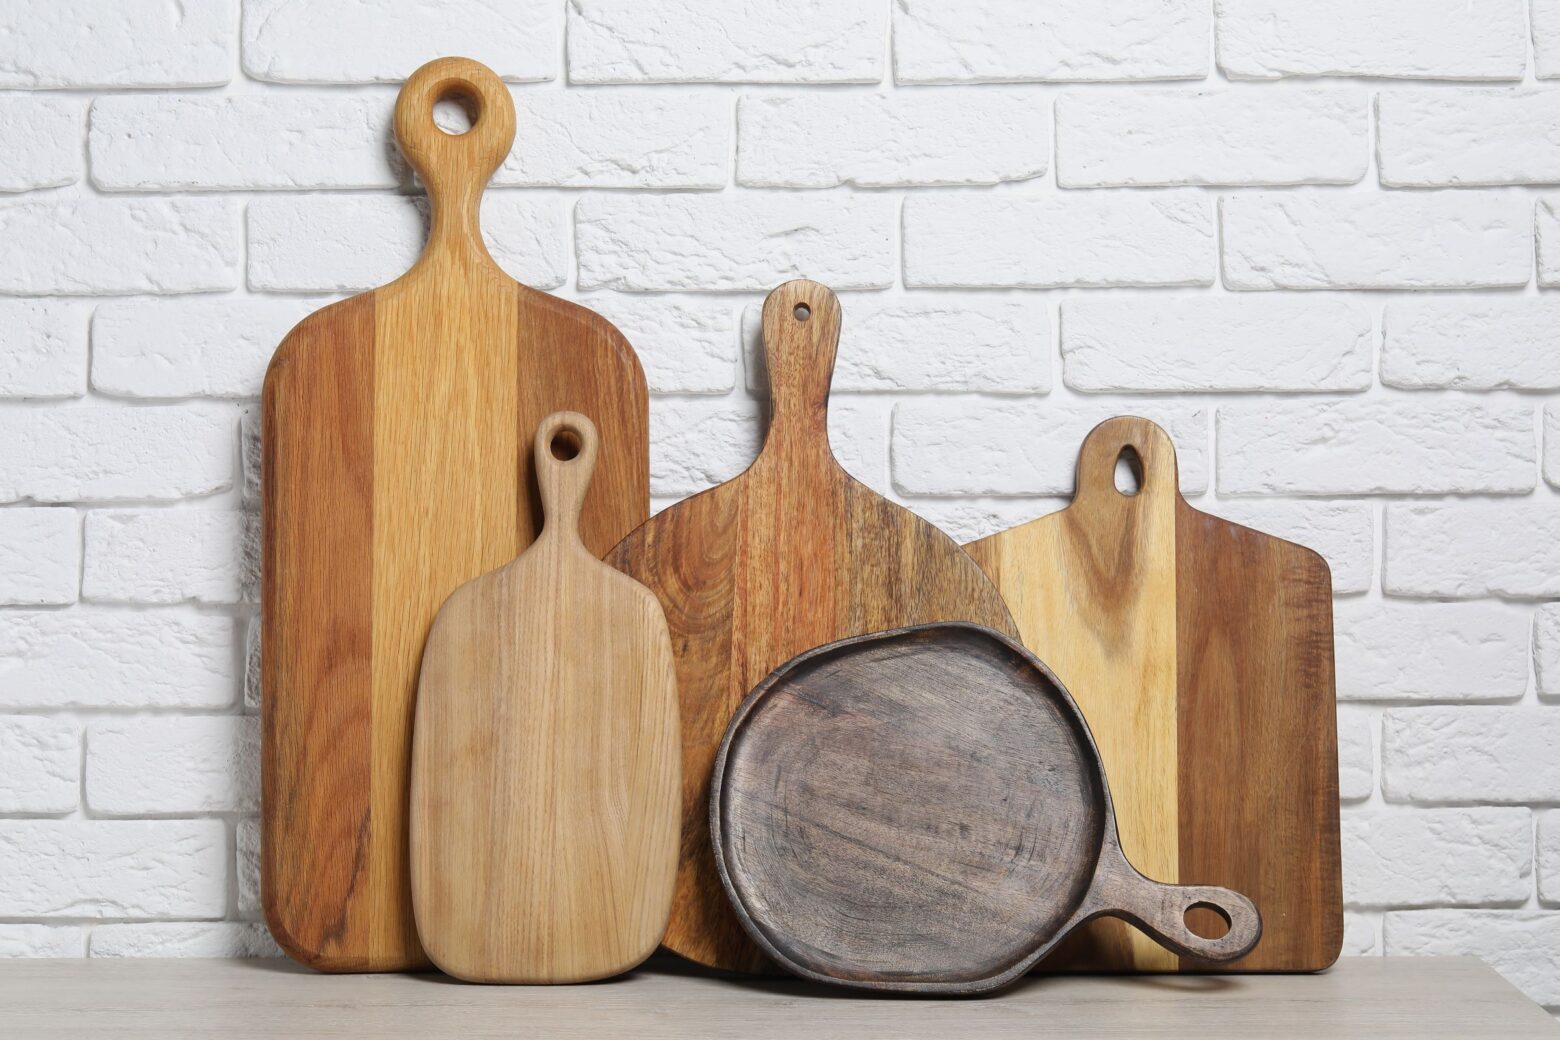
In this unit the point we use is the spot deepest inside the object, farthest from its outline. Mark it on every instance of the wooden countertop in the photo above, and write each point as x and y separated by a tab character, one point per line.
1367	997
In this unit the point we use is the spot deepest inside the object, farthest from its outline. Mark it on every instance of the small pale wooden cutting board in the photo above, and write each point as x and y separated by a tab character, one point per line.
397	429
1201	655
786	556
545	756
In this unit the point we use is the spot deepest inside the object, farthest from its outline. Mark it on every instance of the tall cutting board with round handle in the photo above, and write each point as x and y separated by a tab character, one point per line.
397	428
786	556
1201	653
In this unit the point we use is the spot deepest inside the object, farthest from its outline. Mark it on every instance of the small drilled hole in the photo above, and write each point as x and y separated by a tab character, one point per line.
456	112
565	445
802	312
1129	472
1207	920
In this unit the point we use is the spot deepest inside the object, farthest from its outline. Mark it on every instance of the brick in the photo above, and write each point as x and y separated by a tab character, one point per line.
272	141
249	456
248	849
350	243
686	346
619	139
1359	936
172	556
1468	550
963	41
1549	857
896	139
1374	240
252	678
1382	446
1462	755
967	519
43	141
1437	139
113	868
1474	344
1546	649
1356	757
344	41
85	43
42	759
43	348
40	556
1547	224
42	940
1343	532
168	764
1168	345
104	247
1397	857
1282	135
981	447
115	659
743	242
1523	945
859	436
99	452
716	41
972	239
1430	651
1546	37
969	342
189	348
183	939
696	444
1410	39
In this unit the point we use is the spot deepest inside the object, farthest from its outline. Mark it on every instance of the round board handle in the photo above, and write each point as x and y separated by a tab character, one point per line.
1138	440
801	338
455	167
565	453
1160	911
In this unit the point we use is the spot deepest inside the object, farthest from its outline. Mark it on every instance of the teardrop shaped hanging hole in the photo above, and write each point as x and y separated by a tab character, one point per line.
1129	472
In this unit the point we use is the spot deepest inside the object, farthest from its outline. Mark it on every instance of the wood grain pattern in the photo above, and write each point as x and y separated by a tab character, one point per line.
546	778
396	466
924	810
788	555
1201	654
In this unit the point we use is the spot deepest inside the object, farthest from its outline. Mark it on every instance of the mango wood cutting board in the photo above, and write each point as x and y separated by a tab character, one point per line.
396	434
546	779
788	555
1201	654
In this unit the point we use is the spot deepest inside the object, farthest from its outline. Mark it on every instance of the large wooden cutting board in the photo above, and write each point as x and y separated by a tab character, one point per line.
396	434
545	784
790	554
1201	654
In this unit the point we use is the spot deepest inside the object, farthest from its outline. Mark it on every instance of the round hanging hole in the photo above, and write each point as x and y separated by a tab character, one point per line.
566	445
455	112
802	312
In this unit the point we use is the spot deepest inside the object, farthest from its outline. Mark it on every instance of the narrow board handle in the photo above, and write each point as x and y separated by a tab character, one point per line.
1139	440
565	454
1160	910
455	167
801	337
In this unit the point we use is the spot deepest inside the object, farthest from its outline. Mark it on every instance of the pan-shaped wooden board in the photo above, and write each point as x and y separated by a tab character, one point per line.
923	810
396	449
789	554
1201	653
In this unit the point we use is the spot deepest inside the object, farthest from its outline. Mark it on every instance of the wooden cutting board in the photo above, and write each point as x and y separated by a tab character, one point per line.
546	781
396	434
788	555
1201	654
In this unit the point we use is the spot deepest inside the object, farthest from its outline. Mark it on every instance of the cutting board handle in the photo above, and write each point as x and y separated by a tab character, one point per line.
801	337
565	450
1160	910
1141	442
455	167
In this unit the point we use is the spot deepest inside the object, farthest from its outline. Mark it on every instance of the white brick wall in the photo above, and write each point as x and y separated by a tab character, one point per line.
1335	290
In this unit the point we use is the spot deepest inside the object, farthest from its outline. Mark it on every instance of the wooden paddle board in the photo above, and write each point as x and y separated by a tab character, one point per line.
788	555
396	435
1201	654
546	779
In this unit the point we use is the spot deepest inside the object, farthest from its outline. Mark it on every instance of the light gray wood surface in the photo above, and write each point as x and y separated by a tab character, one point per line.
1365	997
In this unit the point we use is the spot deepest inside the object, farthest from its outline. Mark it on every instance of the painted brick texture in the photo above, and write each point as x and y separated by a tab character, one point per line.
1317	240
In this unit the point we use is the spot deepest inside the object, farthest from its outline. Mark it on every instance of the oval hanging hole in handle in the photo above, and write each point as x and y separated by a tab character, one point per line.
566	444
1207	920
1129	476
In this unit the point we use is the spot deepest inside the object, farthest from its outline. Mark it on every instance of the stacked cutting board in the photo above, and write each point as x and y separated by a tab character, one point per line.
518	729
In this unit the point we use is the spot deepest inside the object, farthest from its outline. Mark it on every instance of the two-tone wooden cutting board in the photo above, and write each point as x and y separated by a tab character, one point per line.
1201	654
397	428
786	556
